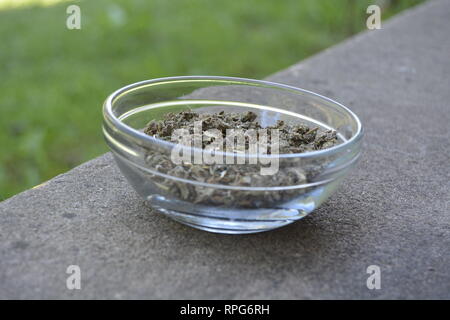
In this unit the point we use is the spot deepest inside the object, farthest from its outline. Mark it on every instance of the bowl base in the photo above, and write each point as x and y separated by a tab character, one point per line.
230	226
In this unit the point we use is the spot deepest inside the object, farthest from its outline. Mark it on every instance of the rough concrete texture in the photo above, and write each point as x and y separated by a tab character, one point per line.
393	211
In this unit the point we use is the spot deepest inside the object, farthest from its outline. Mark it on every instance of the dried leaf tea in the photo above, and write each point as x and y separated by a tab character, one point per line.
291	138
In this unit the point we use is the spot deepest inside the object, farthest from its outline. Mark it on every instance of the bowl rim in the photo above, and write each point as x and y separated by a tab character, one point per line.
109	115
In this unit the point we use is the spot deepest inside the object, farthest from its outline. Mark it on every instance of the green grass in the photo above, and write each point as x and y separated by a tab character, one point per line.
53	80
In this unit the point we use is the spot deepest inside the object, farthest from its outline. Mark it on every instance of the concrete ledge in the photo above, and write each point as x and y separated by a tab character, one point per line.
393	211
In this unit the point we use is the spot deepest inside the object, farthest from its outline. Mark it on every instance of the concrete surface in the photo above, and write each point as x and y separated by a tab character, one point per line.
393	211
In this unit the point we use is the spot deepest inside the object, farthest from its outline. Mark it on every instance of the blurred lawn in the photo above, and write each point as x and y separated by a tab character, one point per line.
54	80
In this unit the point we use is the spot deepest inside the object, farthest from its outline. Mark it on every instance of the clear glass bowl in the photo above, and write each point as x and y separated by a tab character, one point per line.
264	203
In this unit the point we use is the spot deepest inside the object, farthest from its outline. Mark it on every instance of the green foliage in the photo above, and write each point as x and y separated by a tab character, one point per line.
54	80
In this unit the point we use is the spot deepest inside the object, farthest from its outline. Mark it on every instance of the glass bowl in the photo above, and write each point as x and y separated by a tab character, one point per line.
259	202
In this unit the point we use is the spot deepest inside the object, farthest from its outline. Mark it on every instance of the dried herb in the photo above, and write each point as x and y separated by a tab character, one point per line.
293	138
296	138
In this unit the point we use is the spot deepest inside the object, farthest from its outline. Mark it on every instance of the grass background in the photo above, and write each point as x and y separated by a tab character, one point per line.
53	80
